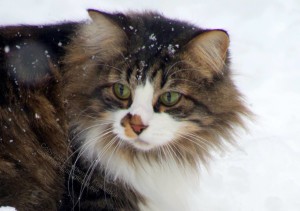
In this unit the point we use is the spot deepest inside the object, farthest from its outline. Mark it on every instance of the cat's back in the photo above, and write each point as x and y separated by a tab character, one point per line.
33	140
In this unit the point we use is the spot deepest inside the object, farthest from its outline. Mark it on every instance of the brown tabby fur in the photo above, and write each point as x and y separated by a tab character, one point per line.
33	132
30	176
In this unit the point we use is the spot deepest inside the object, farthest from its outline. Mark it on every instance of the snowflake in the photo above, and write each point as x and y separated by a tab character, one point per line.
152	37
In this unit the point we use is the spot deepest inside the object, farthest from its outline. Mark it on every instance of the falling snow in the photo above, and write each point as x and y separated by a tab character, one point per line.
152	37
6	49
171	49
37	116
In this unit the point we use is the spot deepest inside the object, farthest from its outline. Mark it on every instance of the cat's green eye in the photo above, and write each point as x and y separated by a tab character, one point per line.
121	91
170	98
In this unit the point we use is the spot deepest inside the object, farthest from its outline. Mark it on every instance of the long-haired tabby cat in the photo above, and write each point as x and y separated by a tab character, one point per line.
147	98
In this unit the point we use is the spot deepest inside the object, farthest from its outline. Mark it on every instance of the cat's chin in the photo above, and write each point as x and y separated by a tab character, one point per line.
141	145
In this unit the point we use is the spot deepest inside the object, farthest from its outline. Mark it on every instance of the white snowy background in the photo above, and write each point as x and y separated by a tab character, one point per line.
263	173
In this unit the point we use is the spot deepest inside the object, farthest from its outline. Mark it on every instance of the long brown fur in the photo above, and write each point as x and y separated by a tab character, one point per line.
33	127
33	147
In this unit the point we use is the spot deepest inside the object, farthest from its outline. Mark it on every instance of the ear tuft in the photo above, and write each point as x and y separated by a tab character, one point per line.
93	13
210	50
99	17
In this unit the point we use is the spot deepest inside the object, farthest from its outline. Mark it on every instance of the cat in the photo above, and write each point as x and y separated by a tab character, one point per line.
143	100
148	99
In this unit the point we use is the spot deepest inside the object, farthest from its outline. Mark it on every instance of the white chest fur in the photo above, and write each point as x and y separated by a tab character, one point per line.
166	187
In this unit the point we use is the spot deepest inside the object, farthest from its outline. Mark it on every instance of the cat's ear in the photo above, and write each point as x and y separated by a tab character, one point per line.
100	17
106	21
103	36
209	51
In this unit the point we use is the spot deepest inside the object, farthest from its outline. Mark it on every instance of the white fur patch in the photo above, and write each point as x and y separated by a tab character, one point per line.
142	102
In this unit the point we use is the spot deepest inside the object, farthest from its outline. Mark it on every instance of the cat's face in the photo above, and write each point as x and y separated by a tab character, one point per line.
139	124
147	84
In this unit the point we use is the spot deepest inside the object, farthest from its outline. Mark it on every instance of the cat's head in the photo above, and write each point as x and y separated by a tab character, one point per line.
145	84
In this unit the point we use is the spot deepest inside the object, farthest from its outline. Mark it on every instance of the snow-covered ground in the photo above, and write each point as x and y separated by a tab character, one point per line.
263	174
7	209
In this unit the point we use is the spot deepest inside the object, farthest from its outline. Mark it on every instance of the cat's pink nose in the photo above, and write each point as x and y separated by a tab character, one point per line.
133	122
136	124
138	129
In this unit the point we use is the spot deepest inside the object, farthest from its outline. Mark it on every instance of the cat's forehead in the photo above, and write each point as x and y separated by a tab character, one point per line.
138	70
151	35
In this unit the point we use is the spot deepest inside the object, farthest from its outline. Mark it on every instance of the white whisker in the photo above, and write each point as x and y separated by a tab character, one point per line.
195	141
172	66
81	150
184	69
74	152
114	140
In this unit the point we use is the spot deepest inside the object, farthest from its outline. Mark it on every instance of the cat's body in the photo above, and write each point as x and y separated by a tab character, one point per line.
33	131
146	99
